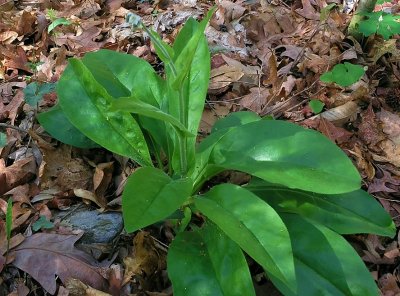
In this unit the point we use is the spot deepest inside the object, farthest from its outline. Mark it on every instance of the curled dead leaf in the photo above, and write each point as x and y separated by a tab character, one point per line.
341	114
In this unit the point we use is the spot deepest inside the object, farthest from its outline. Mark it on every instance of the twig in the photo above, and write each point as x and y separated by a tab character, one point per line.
5	125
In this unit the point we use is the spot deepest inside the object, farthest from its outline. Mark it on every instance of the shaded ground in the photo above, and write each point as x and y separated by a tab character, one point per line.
267	58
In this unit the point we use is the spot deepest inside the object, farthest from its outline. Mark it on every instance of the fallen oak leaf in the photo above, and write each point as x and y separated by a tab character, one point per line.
45	255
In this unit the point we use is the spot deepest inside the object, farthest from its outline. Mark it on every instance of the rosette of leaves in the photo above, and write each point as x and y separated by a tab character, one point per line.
303	196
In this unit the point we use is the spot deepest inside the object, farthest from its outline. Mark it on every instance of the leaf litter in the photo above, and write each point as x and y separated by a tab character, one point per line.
266	57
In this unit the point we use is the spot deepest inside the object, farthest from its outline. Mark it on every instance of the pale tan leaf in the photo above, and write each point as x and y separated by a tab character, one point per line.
341	114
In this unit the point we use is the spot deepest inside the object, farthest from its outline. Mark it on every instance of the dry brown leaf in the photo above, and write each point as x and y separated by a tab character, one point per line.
228	11
391	153
336	134
388	285
14	107
308	11
8	37
341	114
211	115
15	57
82	43
14	241
60	171
369	130
363	165
21	289
19	173
380	184
102	178
45	255
222	77
390	125
88	195
379	49
257	99
26	23
76	287
145	260
272	76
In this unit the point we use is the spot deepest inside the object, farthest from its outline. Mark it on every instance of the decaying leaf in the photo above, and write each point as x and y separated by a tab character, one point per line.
145	260
76	287
21	172
341	114
45	256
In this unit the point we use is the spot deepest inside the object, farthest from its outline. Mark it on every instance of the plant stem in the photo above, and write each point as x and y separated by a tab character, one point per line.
364	6
182	104
184	120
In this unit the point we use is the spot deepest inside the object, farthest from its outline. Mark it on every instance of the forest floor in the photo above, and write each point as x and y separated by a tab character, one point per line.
266	57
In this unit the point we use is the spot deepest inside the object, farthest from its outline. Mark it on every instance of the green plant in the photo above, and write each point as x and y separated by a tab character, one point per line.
316	106
9	222
303	195
367	22
343	74
55	21
34	92
380	23
3	140
42	223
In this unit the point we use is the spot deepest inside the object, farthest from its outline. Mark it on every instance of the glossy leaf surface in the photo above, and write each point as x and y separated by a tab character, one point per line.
235	119
325	262
347	213
116	131
183	60
282	153
150	195
59	127
253	225
125	75
193	58
132	105
206	262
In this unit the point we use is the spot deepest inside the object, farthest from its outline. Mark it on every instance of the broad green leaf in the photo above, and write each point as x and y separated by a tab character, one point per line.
347	213
206	262
195	85
253	225
163	50
125	75
381	23
85	102
3	140
235	119
325	262
281	153
316	106
150	195
183	61
133	105
58	126
34	92
58	22
343	74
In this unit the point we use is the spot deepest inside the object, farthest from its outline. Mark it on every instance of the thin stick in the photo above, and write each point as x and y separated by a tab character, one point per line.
5	125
